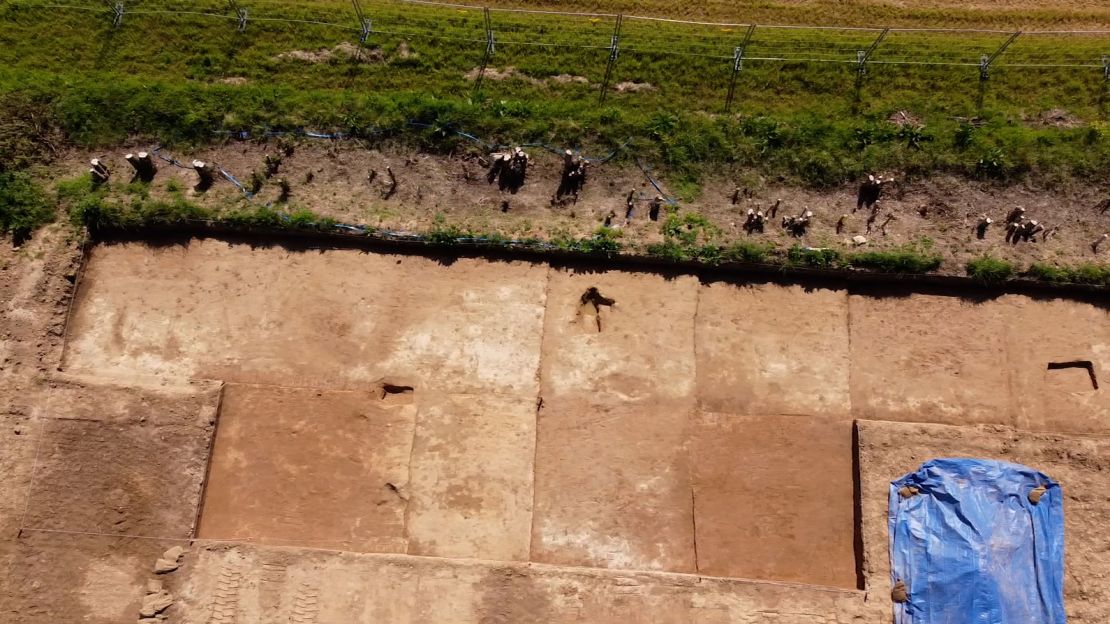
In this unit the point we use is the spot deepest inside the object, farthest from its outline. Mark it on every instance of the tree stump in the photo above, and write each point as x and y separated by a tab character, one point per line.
143	165
206	175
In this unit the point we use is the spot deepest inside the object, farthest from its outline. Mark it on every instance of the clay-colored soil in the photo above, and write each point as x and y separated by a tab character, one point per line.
770	493
336	450
487	445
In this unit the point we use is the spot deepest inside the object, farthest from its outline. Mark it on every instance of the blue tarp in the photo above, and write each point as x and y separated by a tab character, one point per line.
972	548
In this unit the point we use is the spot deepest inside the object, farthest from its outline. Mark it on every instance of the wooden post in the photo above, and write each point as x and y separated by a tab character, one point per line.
240	15
99	172
364	25
117	14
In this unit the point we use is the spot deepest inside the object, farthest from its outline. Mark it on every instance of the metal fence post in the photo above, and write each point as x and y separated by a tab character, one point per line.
488	53
117	14
737	65
862	56
240	15
364	26
614	52
985	69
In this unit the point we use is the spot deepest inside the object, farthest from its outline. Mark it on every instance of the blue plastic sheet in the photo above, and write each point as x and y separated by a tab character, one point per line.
972	548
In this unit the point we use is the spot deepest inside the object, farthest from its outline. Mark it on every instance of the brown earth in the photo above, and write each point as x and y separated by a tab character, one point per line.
331	179
554	461
339	450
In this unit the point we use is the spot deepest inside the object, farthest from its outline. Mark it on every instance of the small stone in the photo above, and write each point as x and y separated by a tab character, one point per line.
899	593
174	554
908	491
1036	494
154	604
163	566
859	240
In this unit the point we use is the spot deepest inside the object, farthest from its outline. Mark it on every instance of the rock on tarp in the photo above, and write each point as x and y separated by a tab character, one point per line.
972	548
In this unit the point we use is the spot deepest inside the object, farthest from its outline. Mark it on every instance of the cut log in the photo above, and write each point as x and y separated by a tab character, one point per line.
206	175
143	165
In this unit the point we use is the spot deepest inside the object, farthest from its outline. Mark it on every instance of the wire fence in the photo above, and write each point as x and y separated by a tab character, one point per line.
605	39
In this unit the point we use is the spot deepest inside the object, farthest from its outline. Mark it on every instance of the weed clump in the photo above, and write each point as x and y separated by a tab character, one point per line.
23	206
913	258
1086	273
989	269
813	257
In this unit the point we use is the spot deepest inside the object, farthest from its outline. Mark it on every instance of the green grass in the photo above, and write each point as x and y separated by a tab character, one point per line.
989	269
916	257
23	206
1059	14
1086	273
815	258
165	77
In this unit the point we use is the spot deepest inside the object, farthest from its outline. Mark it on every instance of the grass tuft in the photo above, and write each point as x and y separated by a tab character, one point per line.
23	206
989	269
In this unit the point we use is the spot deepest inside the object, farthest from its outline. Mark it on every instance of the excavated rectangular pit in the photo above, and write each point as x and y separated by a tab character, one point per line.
505	411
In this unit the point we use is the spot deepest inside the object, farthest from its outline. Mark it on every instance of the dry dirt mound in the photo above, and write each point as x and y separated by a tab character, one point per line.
634	87
904	118
344	50
1057	118
512	73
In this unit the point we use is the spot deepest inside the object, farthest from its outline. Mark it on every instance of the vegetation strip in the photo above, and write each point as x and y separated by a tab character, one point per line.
802	120
683	244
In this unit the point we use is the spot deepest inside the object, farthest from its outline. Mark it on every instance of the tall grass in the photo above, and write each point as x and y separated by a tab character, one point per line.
990	269
180	78
23	205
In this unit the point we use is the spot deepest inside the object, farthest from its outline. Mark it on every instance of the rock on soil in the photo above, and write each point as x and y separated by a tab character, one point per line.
154	604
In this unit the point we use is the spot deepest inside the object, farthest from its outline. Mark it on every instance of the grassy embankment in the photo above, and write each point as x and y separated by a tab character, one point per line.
166	76
179	78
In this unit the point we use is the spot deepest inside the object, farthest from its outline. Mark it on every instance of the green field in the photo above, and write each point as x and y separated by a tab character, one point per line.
797	112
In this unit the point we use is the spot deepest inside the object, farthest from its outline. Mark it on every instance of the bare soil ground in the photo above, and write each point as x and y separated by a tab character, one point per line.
331	179
339	450
431	412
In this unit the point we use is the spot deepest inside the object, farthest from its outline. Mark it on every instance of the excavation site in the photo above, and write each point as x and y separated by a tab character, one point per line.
537	312
235	430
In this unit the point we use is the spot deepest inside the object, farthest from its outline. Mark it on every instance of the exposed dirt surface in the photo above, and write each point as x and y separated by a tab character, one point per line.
485	432
961	361
145	450
769	492
269	585
313	472
332	179
342	320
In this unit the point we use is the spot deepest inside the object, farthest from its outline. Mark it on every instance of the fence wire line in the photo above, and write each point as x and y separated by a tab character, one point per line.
782	56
